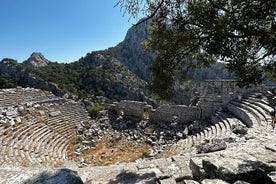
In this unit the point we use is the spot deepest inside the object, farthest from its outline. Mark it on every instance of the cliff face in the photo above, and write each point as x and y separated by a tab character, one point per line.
132	53
36	60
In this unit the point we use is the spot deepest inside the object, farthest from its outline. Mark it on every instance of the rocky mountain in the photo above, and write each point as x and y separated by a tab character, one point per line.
36	60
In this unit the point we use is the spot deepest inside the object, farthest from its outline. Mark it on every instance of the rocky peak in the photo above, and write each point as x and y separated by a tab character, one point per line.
37	60
132	52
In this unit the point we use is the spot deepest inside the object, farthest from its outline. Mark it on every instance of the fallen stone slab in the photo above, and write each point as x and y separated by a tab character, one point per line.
190	182
213	181
216	145
167	181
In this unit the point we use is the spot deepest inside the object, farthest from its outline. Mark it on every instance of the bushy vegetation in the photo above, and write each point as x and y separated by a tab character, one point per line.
94	109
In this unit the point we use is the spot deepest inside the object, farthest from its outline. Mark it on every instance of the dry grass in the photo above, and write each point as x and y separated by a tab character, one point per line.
109	151
169	151
25	162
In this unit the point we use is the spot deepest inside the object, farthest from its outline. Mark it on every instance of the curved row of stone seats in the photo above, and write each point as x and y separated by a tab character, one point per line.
261	103
265	118
31	141
42	142
22	141
263	107
253	110
222	124
243	114
15	96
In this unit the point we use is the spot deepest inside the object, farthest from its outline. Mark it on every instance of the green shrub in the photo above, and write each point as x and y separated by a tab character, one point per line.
79	140
94	110
145	154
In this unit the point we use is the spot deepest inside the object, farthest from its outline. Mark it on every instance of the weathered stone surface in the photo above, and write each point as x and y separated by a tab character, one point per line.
241	182
272	176
250	158
235	164
55	113
195	165
190	182
170	113
216	145
59	176
239	129
271	146
213	181
167	181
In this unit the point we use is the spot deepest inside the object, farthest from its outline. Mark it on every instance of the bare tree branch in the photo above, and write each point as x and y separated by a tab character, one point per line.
151	15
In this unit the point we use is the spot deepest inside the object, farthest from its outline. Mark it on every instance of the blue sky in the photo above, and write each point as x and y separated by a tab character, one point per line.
63	30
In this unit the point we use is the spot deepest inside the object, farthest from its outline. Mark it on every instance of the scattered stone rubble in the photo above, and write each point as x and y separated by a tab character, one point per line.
159	136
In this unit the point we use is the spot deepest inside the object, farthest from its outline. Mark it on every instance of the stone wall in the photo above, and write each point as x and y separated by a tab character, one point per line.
131	108
170	113
164	113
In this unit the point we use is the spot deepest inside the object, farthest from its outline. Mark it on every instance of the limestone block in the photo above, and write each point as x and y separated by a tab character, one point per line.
213	181
55	113
216	145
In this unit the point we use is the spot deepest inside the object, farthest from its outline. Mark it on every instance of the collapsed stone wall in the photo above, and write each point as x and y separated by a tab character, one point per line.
164	113
130	108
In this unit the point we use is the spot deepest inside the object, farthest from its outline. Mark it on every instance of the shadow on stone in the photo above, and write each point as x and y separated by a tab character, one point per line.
255	172
130	177
59	176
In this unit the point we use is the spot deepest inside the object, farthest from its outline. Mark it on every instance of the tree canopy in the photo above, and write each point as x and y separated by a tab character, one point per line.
192	33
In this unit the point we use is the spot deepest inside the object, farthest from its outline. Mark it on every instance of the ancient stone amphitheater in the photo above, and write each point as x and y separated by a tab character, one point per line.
37	130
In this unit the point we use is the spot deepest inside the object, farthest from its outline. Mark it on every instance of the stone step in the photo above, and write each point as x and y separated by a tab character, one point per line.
253	111
243	114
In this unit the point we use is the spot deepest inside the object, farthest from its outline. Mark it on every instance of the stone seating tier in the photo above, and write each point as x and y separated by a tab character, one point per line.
44	142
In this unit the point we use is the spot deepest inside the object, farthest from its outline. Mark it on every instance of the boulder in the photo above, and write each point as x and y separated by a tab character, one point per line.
235	164
59	176
239	129
216	145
